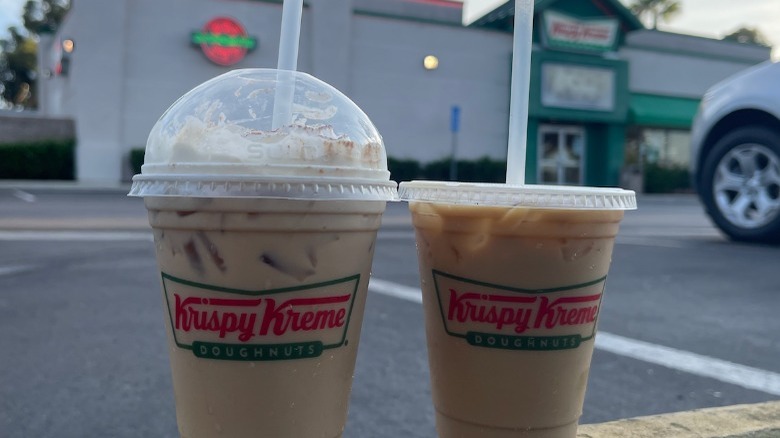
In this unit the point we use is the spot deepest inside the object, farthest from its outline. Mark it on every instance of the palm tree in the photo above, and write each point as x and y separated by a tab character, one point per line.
746	35
656	9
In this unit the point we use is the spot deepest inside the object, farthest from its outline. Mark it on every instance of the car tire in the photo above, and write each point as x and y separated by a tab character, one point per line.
740	185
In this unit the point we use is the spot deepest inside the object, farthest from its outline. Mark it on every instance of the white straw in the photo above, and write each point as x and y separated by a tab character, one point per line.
292	10
518	104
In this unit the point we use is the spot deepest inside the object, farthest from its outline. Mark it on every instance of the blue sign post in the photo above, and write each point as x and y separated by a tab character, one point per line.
454	128
455	119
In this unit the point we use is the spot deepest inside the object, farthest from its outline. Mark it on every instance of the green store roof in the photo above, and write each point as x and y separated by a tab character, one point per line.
501	16
662	111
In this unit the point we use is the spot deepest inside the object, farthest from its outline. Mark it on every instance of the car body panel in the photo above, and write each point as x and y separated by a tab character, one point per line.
756	88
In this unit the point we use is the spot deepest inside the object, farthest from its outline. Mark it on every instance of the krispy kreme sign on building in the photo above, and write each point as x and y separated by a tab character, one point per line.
568	33
224	41
495	316
244	325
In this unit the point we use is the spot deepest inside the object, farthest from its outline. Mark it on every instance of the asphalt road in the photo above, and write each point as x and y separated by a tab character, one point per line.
82	350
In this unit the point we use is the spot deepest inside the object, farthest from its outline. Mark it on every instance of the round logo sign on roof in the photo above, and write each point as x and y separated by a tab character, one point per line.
224	41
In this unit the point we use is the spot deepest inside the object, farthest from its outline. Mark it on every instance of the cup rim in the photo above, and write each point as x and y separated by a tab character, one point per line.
527	195
253	186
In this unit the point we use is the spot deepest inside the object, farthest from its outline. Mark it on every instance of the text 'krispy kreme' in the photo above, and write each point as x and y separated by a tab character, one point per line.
259	325
578	31
522	312
512	318
248	318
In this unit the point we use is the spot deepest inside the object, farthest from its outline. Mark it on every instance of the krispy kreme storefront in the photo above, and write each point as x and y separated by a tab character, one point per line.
608	95
579	100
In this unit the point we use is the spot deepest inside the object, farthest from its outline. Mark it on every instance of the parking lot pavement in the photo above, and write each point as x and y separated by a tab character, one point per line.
689	320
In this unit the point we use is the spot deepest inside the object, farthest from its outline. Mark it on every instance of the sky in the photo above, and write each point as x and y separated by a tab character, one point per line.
717	18
709	18
10	14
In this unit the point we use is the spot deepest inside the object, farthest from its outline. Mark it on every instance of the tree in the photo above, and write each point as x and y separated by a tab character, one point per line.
44	16
18	59
18	63
748	35
656	10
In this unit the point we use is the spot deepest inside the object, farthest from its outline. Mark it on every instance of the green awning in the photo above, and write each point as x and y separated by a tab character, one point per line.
662	111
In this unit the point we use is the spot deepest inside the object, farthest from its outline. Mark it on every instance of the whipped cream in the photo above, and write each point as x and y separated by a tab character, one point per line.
223	128
294	145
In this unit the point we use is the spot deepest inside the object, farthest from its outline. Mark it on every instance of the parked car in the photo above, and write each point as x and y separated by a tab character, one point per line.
735	154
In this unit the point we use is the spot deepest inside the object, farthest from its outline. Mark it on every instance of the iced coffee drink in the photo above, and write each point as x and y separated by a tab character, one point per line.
512	282
264	240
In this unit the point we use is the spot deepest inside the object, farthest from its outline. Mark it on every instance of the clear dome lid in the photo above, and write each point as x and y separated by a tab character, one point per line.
265	133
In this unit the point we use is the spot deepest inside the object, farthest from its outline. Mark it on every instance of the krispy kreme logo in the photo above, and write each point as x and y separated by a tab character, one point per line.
224	41
494	316
280	324
565	32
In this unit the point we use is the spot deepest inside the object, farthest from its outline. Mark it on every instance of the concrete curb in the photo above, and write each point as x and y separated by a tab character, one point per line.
57	186
740	421
70	224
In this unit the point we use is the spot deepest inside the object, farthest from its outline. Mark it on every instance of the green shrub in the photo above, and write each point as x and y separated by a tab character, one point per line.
438	170
482	170
666	178
47	159
136	160
487	170
403	170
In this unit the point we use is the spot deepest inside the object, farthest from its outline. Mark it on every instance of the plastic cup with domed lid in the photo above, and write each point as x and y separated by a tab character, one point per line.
264	238
512	279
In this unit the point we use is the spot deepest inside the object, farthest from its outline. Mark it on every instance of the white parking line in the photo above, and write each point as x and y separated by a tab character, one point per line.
697	364
77	236
8	270
700	365
24	196
652	241
395	290
395	235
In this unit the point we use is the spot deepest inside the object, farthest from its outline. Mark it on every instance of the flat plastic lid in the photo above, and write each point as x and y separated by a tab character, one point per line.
530	195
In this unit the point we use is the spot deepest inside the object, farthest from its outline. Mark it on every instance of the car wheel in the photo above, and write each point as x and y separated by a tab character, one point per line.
740	185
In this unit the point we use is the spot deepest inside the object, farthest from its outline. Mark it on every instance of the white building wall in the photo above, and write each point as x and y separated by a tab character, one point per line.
411	106
376	60
134	58
682	65
56	94
330	37
92	93
676	75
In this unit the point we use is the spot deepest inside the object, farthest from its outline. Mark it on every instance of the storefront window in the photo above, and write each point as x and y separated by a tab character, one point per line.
665	147
656	160
562	148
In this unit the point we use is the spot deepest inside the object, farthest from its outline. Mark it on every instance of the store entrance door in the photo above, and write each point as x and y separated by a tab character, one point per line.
561	152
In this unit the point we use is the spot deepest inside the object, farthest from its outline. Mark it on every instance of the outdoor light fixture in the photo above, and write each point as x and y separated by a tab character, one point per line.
431	62
68	45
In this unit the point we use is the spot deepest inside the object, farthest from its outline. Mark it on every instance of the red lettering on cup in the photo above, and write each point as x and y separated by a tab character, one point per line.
522	312
259	316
